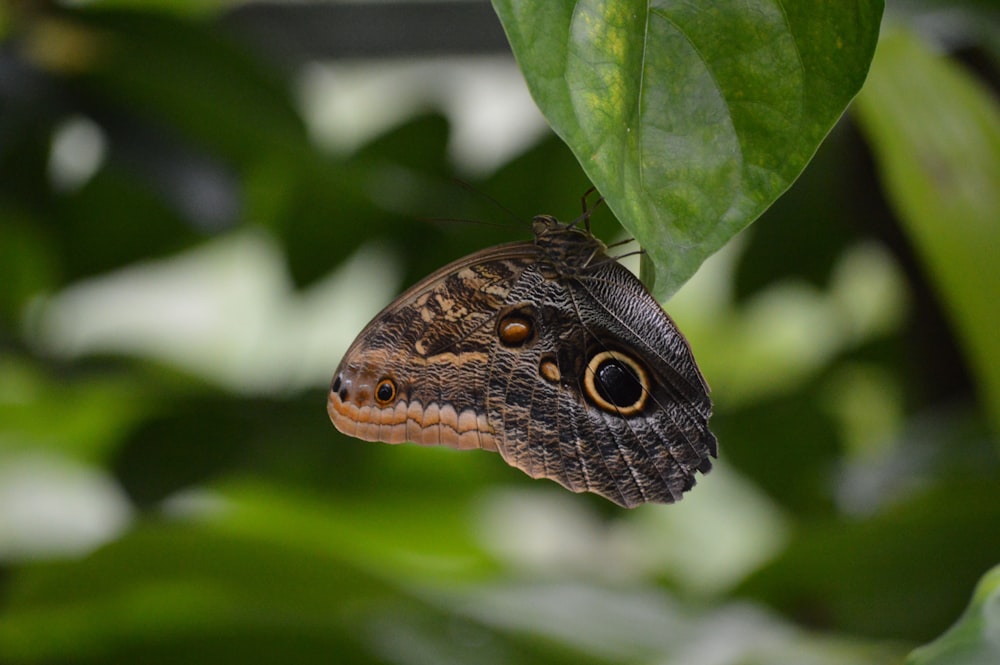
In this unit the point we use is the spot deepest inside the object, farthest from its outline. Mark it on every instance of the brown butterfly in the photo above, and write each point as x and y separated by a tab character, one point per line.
549	352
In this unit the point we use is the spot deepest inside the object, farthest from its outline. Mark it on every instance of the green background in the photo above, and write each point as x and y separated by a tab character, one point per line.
171	489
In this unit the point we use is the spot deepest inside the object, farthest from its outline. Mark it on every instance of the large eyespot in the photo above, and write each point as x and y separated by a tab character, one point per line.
385	392
516	326
616	383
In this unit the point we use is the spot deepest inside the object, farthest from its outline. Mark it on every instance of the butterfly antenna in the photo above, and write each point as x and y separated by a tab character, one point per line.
478	192
461	220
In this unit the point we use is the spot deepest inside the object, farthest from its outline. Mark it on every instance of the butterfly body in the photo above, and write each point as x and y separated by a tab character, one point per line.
549	352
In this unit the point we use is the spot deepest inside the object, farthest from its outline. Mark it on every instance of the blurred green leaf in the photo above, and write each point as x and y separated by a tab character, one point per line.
175	593
84	414
901	573
185	117
420	541
27	264
189	77
179	7
936	135
690	120
799	474
807	230
112	221
269	579
975	638
383	189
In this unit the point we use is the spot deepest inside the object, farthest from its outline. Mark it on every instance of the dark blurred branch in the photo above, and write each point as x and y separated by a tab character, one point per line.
295	32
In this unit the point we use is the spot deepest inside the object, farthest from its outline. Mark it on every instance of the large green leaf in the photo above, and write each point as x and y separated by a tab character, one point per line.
975	639
936	135
691	118
902	573
273	578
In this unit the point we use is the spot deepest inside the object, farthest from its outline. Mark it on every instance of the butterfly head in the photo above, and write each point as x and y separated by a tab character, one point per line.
568	247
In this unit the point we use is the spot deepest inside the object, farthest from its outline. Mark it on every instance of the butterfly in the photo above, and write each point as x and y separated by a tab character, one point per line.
547	351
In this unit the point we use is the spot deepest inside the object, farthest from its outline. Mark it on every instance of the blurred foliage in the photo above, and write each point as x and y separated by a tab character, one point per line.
178	254
975	638
944	183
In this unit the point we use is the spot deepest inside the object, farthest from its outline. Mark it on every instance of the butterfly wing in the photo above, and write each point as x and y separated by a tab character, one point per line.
582	379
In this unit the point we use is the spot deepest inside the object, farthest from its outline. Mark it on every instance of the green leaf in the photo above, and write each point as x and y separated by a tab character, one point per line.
691	118
207	88
270	578
975	638
169	592
936	135
82	415
27	262
797	475
901	573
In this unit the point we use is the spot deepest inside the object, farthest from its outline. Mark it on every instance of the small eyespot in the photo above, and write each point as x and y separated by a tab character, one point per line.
616	383
514	330
385	391
338	388
548	369
516	327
